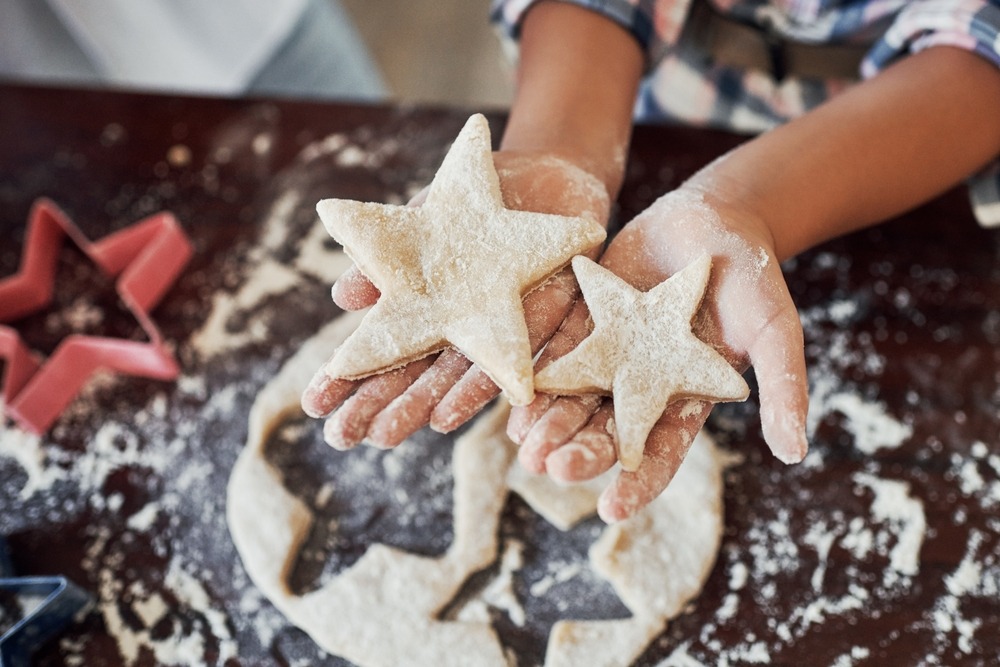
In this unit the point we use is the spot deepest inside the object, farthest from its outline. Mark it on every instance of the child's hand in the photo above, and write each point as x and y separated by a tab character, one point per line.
747	314
445	390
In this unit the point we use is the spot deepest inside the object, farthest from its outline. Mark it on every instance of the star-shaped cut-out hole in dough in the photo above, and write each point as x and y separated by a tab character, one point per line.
452	270
642	352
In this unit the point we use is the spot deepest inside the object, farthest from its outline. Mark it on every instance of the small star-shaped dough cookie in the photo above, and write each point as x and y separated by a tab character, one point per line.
452	270
642	351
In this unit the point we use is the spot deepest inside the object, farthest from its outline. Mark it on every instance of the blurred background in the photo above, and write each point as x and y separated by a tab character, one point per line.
435	51
411	51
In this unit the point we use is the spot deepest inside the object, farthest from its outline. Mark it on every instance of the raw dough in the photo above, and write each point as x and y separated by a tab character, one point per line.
643	352
383	610
452	270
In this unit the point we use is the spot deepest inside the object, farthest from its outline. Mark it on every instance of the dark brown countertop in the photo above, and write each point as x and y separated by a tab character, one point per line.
881	549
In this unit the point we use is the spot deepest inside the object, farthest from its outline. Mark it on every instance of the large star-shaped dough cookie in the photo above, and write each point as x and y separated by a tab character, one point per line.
452	270
643	352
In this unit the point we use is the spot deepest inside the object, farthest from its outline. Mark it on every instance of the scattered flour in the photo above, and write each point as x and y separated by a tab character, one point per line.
499	593
892	528
178	623
851	658
164	455
872	427
977	578
131	613
681	658
32	457
558	573
265	272
894	505
867	420
268	279
76	317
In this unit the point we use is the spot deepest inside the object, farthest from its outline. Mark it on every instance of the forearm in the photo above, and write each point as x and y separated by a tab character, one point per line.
577	80
879	149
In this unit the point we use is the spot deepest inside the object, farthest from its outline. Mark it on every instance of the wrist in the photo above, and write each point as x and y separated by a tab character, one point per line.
737	207
600	170
577	79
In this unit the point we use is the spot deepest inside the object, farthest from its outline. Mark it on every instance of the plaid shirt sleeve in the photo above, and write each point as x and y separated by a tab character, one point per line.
916	25
973	25
655	24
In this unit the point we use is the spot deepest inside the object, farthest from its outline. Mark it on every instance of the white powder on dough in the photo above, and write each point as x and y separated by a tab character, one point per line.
46	469
421	259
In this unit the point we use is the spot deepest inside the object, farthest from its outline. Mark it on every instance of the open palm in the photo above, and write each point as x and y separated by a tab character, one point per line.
747	314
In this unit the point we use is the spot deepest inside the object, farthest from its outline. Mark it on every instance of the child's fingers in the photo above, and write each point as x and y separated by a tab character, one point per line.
546	307
471	394
463	401
523	417
325	393
464	393
590	453
349	425
353	290
544	310
779	362
561	422
666	447
574	329
412	410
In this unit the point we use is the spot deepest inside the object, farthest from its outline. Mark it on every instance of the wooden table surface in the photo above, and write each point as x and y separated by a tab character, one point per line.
881	549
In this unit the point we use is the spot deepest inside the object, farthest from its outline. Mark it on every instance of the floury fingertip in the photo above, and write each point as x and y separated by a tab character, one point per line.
314	396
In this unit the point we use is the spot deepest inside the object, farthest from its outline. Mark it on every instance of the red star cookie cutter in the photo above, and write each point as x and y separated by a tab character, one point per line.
146	258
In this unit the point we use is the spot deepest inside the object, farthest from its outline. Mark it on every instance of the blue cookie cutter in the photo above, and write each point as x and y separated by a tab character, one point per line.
61	601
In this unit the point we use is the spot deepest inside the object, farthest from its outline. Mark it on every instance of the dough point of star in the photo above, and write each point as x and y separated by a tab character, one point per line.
453	270
642	352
